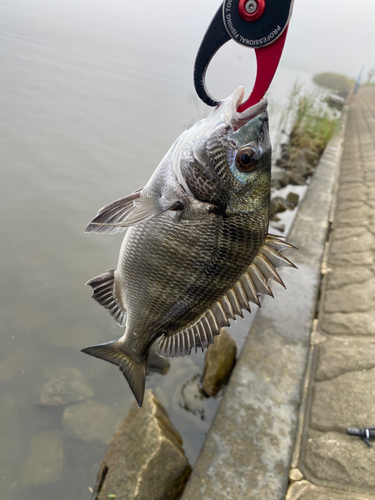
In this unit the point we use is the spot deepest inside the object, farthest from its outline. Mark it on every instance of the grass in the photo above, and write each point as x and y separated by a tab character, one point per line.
313	122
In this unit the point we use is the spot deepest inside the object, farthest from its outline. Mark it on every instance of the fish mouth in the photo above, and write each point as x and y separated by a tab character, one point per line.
240	119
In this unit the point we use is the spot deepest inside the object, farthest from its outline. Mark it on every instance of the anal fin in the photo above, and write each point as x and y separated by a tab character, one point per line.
133	370
104	293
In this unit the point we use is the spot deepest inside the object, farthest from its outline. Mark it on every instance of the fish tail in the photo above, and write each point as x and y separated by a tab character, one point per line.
134	370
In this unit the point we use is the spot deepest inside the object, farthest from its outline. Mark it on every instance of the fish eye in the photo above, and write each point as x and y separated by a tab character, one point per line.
247	159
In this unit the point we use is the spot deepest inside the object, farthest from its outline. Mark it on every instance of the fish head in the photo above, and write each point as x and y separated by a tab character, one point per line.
225	159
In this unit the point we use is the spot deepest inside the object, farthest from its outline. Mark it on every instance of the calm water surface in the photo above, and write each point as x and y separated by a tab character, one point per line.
91	97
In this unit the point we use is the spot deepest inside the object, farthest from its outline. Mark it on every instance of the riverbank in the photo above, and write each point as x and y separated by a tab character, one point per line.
249	447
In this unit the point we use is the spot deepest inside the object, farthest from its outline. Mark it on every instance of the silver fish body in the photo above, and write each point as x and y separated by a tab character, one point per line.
196	249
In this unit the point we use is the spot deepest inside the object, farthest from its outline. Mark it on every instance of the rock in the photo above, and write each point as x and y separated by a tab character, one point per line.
296	179
295	475
309	155
145	459
302	168
90	421
156	363
339	461
275	184
45	462
293	198
345	401
282	162
278	226
66	386
336	357
278	205
191	397
219	363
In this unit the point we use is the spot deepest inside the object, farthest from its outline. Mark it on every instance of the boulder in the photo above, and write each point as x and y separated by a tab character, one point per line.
219	363
278	205
296	179
45	462
66	386
90	421
279	226
293	198
145	459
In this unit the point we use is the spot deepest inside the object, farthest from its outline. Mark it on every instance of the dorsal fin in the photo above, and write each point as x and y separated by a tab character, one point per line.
252	283
104	293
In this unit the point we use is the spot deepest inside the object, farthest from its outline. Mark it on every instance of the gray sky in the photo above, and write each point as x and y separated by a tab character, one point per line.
332	35
324	35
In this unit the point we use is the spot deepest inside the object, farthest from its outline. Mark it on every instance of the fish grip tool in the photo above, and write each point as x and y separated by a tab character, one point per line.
258	24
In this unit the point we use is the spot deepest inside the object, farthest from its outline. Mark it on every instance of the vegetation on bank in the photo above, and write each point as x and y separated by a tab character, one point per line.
313	122
340	84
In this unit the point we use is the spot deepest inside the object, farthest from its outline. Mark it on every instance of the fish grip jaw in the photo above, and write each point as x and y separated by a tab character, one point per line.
266	34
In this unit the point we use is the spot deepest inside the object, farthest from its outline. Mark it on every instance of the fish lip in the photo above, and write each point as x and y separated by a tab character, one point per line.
253	110
240	119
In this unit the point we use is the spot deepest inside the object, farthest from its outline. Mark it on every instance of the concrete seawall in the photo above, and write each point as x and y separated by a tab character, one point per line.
249	448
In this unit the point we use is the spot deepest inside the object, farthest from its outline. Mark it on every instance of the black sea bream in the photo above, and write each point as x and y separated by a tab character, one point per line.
196	250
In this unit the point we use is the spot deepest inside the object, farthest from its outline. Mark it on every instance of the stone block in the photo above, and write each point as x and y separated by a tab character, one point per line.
341	233
304	490
339	461
352	259
346	214
354	192
348	323
336	357
350	298
219	363
363	242
145	459
341	277
345	401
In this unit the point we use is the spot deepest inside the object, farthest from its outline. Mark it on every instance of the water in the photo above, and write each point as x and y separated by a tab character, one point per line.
92	94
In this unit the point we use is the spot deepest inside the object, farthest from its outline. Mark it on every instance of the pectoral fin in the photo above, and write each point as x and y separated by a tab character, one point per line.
128	211
108	217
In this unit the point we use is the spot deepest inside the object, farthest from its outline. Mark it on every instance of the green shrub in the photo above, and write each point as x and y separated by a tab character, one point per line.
313	123
341	84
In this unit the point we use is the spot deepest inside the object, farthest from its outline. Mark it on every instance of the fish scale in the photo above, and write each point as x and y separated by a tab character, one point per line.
196	250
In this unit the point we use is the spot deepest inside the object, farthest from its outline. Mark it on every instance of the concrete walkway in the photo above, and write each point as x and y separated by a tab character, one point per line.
340	386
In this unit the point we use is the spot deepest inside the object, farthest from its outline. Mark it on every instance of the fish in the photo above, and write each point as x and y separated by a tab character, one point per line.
196	250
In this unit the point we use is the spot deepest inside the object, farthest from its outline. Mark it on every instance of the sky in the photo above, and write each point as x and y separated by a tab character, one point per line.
324	35
332	35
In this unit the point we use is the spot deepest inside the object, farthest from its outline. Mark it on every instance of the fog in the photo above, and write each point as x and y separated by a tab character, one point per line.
334	35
